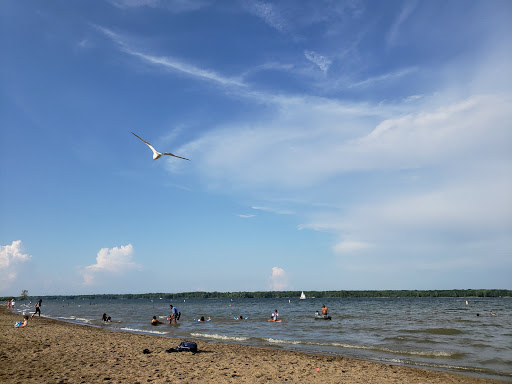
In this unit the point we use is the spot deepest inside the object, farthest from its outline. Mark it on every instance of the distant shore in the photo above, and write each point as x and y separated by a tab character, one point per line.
448	293
53	351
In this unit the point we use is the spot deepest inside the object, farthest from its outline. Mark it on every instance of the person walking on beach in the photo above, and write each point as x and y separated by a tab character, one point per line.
38	309
12	304
175	314
9	304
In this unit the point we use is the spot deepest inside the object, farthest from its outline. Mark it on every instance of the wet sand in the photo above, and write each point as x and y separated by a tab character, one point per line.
50	351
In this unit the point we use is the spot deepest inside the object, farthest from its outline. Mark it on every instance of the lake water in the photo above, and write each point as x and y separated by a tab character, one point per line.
437	333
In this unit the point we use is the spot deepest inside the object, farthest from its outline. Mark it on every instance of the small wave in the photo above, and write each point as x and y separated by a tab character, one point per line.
294	342
410	339
403	352
144	331
435	354
73	318
435	331
219	337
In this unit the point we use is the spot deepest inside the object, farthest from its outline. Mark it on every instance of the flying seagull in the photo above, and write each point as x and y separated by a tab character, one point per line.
156	154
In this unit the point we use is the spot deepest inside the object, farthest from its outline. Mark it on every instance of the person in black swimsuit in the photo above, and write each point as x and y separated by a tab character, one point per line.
38	309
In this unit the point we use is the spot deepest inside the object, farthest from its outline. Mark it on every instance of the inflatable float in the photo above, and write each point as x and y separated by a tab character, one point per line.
318	316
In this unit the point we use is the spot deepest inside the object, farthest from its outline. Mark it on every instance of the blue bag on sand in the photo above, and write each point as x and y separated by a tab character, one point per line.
187	346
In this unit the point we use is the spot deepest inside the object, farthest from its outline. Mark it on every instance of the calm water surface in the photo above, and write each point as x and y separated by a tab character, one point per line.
439	333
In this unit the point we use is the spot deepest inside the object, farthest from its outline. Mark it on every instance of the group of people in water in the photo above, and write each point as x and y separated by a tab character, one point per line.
176	314
10	304
172	318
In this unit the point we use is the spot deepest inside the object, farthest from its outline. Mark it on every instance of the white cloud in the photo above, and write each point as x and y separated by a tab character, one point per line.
273	210
175	6
171	63
246	216
278	279
313	140
321	61
11	256
385	77
113	260
268	13
393	177
350	246
408	9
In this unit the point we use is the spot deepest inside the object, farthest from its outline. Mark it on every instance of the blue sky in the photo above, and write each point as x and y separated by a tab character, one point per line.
334	145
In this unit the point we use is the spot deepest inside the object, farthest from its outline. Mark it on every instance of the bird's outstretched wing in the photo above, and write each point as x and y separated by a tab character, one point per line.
142	139
171	154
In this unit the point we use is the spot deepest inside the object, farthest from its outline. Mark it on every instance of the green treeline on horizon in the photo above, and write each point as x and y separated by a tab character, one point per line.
291	294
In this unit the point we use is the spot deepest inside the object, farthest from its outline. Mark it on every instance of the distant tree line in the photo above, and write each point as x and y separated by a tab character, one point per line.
290	294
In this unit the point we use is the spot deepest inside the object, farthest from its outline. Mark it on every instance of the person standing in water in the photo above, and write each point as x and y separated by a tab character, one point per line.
325	310
175	314
38	309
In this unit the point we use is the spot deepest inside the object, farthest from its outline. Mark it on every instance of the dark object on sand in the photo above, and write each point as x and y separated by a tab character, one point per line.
185	346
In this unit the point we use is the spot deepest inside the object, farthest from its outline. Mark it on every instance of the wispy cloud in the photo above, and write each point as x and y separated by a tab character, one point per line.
454	152
385	77
170	63
246	216
268	13
274	210
407	10
175	6
350	246
321	61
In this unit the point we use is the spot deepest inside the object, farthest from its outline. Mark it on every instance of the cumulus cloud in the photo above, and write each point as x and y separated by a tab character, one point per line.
278	279
111	260
11	256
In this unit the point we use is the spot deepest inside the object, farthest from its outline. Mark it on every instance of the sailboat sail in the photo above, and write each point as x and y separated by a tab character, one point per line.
302	295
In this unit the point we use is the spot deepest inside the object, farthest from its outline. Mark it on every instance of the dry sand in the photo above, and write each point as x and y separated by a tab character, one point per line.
49	351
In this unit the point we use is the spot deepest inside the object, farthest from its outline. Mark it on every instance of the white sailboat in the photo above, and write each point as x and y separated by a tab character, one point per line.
302	295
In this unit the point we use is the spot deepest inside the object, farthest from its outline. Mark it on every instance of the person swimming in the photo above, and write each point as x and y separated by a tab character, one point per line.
155	321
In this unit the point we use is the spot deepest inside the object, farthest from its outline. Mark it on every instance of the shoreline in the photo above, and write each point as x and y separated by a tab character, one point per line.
50	350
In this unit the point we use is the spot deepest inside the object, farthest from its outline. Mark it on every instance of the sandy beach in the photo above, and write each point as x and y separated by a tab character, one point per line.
50	351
